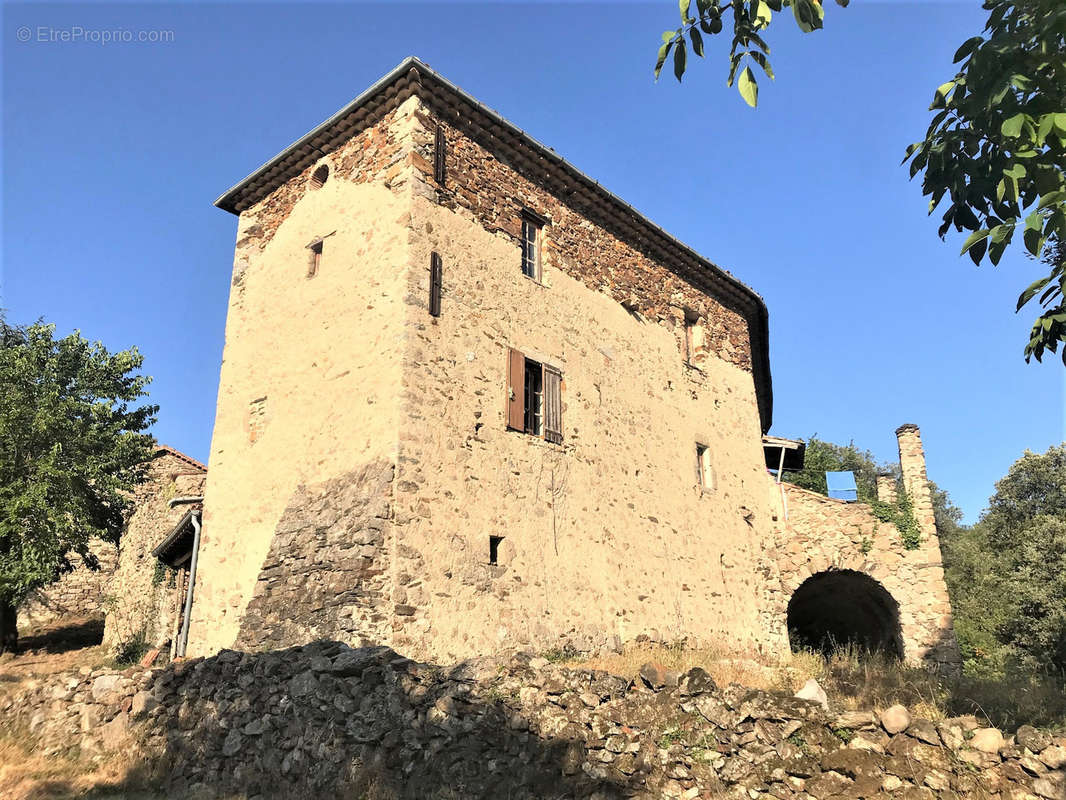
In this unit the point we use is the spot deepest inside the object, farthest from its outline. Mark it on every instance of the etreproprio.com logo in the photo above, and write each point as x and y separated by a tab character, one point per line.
72	34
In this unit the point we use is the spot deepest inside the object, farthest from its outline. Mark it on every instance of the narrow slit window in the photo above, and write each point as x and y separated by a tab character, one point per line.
531	249
439	146
315	260
494	549
436	277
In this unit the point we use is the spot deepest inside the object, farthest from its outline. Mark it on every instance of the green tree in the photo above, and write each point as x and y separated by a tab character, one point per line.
72	447
1007	575
995	148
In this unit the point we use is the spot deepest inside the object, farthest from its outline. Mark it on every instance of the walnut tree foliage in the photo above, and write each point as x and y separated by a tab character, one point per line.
72	447
994	154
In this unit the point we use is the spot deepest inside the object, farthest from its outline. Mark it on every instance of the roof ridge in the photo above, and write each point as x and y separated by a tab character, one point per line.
165	448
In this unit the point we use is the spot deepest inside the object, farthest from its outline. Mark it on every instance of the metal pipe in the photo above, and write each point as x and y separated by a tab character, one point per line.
192	582
184	501
781	465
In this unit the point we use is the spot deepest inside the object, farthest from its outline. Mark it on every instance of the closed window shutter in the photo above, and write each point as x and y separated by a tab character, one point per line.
438	157
516	391
436	275
553	405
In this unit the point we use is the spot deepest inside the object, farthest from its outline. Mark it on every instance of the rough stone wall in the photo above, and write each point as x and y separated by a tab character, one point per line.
607	535
311	369
327	570
78	593
480	187
141	599
821	534
325	720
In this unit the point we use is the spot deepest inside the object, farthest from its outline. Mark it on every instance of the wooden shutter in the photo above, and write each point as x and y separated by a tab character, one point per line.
516	391
438	157
436	275
553	404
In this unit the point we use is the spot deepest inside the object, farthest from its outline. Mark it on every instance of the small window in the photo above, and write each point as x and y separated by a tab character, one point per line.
319	176
436	277
439	151
534	398
704	475
316	258
531	249
494	549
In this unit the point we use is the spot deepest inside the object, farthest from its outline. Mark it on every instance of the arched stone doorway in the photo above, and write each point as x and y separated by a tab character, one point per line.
844	608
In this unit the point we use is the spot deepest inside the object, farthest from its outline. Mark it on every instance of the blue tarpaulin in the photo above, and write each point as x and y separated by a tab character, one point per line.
842	486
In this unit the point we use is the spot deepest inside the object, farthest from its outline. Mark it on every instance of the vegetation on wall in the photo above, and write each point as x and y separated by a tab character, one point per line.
72	447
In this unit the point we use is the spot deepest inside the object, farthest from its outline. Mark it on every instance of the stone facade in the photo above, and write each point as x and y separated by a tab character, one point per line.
365	483
327	568
78	593
326	720
142	598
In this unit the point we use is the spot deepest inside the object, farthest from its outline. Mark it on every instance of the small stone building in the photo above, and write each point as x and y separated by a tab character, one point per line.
471	400
144	596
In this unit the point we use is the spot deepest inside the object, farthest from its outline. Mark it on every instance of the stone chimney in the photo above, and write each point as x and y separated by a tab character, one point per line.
915	481
886	488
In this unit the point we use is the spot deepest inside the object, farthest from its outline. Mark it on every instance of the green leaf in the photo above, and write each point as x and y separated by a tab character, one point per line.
967	47
843	3
1012	126
1060	124
669	36
697	41
748	88
977	252
679	59
664	51
1016	171
761	14
972	239
763	62
940	97
808	15
684	4
1050	199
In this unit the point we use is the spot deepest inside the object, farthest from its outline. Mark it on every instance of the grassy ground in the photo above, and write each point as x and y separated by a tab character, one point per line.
855	682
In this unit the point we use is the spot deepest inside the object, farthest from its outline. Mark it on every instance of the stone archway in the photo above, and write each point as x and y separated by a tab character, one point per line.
843	607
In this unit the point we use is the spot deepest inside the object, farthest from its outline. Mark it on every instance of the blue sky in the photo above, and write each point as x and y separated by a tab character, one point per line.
114	152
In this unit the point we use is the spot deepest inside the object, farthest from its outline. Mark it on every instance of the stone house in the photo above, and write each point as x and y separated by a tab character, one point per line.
145	596
471	400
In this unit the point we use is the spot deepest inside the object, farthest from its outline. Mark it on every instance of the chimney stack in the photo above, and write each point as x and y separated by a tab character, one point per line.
915	481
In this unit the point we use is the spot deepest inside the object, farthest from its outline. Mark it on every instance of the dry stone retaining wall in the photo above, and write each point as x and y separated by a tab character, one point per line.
324	719
78	593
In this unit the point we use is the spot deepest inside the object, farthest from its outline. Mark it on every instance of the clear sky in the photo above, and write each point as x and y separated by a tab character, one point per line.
114	151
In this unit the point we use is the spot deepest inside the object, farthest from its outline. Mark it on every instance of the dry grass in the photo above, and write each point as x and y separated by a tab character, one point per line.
855	680
724	667
27	774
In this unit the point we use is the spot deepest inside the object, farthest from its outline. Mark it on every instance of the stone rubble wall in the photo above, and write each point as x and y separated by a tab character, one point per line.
324	720
327	570
78	593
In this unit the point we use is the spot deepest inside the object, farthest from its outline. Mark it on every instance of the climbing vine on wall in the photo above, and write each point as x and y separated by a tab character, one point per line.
900	514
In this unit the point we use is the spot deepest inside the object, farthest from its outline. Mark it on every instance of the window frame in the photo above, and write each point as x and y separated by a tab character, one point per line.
534	397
